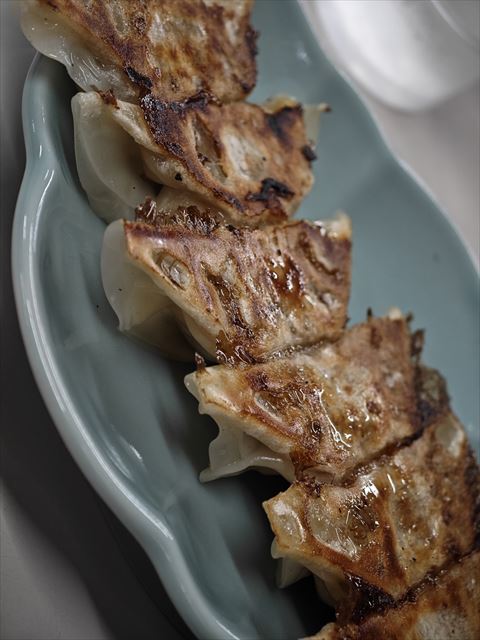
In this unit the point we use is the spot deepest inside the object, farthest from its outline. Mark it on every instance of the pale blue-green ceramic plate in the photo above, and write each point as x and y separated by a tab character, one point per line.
122	409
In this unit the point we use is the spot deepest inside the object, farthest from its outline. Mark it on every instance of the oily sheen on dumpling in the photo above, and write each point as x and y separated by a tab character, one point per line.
324	409
237	294
170	48
445	606
371	539
247	163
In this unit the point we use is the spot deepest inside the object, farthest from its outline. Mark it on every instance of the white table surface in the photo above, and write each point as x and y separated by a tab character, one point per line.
68	569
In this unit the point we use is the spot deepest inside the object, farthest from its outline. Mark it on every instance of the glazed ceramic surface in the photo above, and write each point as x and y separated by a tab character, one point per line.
122	409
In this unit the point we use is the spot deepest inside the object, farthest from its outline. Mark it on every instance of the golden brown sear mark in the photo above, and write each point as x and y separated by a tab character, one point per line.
445	604
251	283
331	408
402	517
171	48
232	155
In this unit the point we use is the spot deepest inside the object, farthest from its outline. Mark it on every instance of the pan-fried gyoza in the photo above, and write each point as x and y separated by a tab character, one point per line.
373	538
384	505
326	409
172	49
445	606
240	295
249	164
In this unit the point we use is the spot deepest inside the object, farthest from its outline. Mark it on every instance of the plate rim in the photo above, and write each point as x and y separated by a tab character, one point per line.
151	532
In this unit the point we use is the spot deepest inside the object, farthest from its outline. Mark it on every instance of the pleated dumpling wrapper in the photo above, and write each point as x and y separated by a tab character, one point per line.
327	408
239	295
445	606
249	164
171	48
371	539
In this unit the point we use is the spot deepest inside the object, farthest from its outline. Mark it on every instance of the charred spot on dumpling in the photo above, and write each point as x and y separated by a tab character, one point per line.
432	394
142	81
309	153
164	120
226	155
271	188
365	600
209	149
282	121
251	37
270	195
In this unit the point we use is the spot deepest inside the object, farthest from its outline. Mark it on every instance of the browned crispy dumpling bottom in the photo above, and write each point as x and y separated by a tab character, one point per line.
321	410
248	164
170	48
446	606
374	537
240	295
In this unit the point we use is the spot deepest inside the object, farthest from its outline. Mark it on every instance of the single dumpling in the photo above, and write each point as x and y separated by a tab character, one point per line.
171	48
247	163
109	162
237	294
324	409
371	539
444	606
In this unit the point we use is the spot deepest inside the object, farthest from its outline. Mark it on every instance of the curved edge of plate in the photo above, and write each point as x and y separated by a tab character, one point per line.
151	532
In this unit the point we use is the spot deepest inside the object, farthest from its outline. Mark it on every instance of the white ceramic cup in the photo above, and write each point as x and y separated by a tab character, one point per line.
410	54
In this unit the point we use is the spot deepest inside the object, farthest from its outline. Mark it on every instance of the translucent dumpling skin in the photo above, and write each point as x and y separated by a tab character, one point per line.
52	33
109	162
142	310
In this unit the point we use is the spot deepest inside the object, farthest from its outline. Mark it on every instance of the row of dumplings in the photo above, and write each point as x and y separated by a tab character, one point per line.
200	259
384	499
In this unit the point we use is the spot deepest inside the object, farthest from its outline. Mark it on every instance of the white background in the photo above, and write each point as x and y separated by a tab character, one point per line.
68	569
